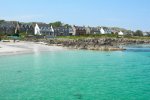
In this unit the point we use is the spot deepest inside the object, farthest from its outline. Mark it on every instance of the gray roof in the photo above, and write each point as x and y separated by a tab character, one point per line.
80	27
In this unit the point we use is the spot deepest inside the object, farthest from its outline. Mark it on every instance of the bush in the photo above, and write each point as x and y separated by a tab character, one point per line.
22	35
138	33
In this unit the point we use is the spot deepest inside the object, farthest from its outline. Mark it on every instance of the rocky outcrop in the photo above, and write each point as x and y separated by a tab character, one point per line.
103	44
91	44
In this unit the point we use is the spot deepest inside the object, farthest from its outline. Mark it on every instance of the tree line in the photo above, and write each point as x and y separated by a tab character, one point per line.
59	24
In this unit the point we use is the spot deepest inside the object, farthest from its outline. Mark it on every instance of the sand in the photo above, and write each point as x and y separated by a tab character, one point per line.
25	47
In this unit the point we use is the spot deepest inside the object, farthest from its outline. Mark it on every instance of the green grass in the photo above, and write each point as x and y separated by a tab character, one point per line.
89	36
23	35
102	36
137	37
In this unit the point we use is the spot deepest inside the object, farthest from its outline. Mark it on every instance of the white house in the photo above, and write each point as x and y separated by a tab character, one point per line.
102	31
44	29
52	29
37	30
120	33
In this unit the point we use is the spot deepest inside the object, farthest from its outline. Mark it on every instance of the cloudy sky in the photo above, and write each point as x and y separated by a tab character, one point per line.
130	14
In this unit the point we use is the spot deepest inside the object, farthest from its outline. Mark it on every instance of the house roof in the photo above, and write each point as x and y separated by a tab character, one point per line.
80	27
8	24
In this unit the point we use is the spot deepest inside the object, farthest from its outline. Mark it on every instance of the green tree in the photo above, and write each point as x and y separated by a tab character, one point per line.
138	33
1	21
67	25
56	24
59	24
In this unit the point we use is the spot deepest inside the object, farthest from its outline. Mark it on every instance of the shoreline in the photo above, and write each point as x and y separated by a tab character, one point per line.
41	45
23	47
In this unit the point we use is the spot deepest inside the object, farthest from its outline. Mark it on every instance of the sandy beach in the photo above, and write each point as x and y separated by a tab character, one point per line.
7	48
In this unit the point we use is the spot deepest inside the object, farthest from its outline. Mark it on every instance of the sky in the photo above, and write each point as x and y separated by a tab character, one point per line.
129	14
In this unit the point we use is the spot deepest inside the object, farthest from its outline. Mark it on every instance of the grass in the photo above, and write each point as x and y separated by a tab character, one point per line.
103	36
137	37
89	36
23	35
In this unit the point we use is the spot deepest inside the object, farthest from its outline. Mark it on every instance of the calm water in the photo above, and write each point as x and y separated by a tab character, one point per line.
76	75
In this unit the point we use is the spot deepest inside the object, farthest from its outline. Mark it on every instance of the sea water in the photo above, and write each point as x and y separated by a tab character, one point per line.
76	75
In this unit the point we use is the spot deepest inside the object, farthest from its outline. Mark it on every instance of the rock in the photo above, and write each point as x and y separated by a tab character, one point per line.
103	44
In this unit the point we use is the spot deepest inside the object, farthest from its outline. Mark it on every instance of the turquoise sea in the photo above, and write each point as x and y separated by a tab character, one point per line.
76	75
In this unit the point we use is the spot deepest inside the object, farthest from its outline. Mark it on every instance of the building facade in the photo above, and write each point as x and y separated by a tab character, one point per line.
8	27
62	31
79	30
43	29
36	28
92	30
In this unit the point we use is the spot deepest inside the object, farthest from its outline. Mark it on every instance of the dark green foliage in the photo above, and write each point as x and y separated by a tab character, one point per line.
138	33
59	24
23	35
67	25
1	21
56	24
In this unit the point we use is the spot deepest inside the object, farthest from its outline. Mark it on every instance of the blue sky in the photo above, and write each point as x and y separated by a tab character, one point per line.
130	14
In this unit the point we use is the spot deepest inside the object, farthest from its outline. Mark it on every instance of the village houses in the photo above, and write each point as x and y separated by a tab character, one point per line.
38	28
